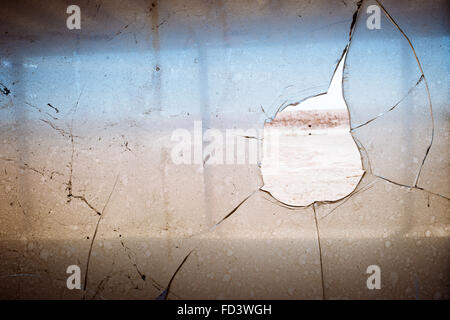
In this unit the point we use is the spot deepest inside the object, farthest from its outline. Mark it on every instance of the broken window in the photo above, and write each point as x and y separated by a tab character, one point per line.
87	176
309	153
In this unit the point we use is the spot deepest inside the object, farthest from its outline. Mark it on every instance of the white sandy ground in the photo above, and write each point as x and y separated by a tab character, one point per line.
325	165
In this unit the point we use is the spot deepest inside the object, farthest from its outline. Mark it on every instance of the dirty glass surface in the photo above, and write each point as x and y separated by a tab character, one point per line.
87	173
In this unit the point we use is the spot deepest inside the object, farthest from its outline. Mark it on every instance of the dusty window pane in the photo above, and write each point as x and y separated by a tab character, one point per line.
387	96
87	176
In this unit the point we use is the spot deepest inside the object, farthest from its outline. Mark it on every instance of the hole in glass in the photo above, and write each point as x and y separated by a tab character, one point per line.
309	154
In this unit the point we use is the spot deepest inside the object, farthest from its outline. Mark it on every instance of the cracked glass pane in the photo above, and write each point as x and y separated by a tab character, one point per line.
388	98
88	177
380	68
396	142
